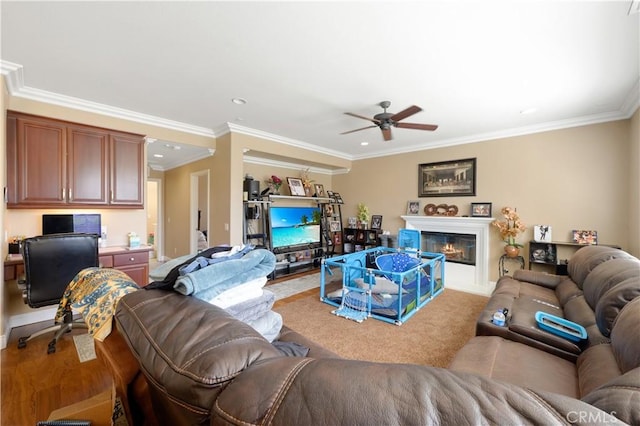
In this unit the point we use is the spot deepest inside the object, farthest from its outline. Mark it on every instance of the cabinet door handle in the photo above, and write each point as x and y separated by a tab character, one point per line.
64	192
132	259
70	194
111	194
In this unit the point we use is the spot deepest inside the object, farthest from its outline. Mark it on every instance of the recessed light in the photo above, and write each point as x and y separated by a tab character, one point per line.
364	143
528	111
239	101
158	155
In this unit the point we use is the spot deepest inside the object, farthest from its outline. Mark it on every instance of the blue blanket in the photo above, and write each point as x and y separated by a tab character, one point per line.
208	282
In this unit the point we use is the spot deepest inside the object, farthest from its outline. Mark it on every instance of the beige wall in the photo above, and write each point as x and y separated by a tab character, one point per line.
576	178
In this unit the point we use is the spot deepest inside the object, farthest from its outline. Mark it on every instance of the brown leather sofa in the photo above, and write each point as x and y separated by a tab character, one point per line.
201	366
601	281
606	375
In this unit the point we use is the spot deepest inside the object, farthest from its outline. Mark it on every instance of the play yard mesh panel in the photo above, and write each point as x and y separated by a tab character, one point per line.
387	284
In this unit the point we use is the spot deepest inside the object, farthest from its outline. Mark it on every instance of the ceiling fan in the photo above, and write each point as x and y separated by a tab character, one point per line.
385	120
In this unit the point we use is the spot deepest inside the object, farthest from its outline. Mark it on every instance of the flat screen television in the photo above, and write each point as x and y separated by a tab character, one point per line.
294	228
88	223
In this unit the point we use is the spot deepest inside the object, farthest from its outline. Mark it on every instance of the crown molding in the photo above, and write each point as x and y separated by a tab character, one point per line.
231	127
292	165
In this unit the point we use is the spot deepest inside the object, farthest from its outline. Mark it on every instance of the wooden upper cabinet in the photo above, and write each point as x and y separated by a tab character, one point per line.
87	165
127	154
56	164
36	166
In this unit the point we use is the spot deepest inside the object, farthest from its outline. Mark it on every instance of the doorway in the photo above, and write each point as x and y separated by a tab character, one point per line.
199	211
154	218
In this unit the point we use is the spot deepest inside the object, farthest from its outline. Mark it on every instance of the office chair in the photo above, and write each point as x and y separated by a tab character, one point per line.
50	263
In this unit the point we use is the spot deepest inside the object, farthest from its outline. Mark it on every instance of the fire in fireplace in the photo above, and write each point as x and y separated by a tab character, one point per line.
459	248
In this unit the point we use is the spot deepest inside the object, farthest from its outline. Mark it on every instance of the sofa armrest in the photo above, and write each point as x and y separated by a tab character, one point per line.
539	278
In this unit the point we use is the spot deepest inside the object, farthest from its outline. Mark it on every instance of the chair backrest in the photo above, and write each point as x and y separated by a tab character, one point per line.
52	261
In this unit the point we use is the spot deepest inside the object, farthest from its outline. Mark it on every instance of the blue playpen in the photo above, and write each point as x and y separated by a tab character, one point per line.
387	284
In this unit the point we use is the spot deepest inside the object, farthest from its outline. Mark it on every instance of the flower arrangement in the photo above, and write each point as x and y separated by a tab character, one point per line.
363	213
510	227
305	178
16	239
274	183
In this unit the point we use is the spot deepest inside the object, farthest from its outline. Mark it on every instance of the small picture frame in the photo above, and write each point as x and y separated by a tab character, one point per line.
328	210
542	233
329	194
353	222
585	237
376	221
337	198
337	238
480	209
334	225
296	187
372	237
360	236
413	207
319	188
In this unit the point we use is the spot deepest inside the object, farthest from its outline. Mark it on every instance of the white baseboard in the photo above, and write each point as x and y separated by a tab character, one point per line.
485	291
39	315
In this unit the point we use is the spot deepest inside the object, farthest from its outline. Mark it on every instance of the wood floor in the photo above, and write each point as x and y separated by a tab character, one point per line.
33	383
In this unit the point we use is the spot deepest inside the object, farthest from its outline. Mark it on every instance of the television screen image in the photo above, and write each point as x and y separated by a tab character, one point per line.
294	226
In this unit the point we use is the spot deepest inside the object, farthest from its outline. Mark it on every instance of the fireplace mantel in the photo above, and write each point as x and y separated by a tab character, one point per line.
472	279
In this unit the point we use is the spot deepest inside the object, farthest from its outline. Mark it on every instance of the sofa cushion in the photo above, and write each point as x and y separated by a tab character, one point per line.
588	258
607	275
613	301
512	362
620	397
596	366
567	290
625	336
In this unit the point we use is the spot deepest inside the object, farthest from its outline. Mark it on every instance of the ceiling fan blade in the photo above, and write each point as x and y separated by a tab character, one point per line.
406	113
373	120
417	126
357	130
386	133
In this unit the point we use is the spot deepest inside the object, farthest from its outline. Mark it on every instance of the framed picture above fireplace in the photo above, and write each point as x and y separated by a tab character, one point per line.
447	178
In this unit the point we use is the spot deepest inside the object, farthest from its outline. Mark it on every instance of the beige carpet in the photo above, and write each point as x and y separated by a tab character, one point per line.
431	337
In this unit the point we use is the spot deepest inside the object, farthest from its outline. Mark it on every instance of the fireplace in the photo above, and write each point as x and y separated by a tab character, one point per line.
457	248
467	266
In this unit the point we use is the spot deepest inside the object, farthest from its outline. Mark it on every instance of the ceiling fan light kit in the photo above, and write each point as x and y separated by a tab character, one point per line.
385	120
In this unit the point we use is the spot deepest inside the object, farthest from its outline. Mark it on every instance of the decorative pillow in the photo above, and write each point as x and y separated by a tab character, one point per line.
382	285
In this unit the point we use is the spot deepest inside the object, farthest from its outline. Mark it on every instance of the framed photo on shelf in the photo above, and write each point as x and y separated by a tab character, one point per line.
328	210
376	221
542	233
353	222
413	207
319	190
337	198
329	194
334	226
360	236
480	209
296	187
585	237
372	237
447	178
337	238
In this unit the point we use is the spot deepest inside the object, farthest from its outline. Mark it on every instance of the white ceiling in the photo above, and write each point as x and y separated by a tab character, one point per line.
472	67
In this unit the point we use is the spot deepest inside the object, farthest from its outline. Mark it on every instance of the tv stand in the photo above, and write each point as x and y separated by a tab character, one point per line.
296	258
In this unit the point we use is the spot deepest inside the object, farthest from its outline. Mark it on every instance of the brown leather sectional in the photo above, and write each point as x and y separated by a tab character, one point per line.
198	365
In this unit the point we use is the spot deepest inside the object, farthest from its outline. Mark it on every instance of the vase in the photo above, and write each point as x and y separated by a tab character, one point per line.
511	251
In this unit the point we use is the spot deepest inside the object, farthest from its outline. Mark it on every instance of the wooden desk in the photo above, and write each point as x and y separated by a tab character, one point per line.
133	262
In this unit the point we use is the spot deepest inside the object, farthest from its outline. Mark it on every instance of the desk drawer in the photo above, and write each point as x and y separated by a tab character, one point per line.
133	258
106	261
